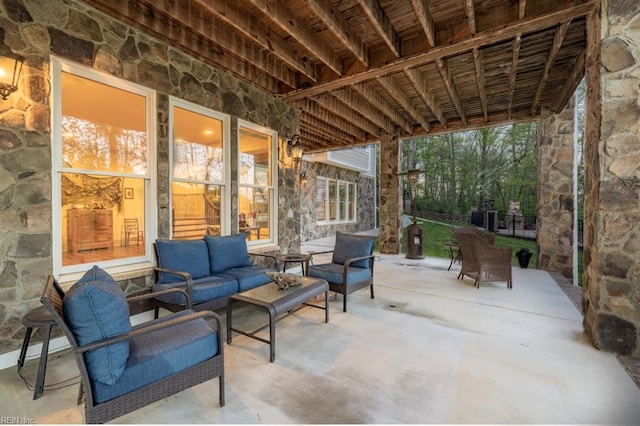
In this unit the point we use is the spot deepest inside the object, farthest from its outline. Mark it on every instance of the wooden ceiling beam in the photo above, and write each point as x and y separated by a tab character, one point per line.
483	38
326	129
350	99
381	23
427	96
450	85
314	140
229	13
558	38
143	16
471	16
279	13
377	101
333	105
334	21
522	7
311	108
520	115
571	83
401	98
477	65
421	9
515	54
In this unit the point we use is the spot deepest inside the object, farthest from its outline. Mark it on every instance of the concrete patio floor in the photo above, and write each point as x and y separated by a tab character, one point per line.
428	349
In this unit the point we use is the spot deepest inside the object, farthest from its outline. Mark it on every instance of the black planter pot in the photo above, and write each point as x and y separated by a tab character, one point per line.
524	256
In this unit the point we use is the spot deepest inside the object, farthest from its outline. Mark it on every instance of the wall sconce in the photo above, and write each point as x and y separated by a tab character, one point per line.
303	176
10	68
295	149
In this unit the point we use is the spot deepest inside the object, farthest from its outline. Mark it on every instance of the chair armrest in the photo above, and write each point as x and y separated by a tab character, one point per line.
356	259
154	294
184	275
313	253
155	325
268	256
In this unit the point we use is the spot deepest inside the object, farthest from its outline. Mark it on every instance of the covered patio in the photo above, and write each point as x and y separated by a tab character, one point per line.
431	350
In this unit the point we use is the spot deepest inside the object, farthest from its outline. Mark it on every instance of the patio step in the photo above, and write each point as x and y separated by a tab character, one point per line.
189	228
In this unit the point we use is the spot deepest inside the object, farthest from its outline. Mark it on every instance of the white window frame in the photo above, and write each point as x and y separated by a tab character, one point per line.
225	195
115	266
337	182
273	188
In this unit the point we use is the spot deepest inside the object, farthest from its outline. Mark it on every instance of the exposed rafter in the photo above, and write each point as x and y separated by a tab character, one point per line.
561	31
416	80
380	22
571	82
332	104
450	85
280	14
471	16
353	101
371	96
421	9
312	108
326	128
515	54
391	87
522	7
477	66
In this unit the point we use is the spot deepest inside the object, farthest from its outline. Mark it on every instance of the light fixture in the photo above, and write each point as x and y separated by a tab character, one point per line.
295	149
10	68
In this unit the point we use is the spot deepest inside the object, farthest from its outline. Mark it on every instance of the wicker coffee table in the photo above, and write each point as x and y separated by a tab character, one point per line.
278	303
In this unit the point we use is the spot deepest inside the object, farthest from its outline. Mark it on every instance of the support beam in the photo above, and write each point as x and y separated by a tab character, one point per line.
571	83
449	84
311	108
401	98
477	65
558	38
332	104
377	101
421	9
351	100
471	16
327	129
515	54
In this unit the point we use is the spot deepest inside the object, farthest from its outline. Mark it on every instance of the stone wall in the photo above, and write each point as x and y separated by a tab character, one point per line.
390	195
611	291
365	209
555	191
69	29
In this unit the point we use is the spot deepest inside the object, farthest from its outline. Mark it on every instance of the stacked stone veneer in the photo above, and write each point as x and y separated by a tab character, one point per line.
365	208
611	291
71	30
555	192
390	195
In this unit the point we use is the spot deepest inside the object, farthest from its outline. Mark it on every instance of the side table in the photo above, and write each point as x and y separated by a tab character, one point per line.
37	318
293	258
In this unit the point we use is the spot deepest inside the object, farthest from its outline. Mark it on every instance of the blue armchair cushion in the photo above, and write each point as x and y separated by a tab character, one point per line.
249	276
187	256
227	252
161	353
96	308
349	246
332	272
204	289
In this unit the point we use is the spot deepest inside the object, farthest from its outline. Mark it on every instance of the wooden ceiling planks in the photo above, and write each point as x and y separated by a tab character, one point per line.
357	68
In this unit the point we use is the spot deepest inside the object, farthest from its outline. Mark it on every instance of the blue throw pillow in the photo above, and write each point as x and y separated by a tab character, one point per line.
187	256
349	246
226	252
96	308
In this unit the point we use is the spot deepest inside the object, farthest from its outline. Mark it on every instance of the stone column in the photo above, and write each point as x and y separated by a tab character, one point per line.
611	289
555	191
390	195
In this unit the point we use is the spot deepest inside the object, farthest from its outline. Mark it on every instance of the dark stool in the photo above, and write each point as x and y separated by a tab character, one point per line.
37	318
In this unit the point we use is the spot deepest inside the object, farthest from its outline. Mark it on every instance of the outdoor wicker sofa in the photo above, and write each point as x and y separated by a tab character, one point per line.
123	368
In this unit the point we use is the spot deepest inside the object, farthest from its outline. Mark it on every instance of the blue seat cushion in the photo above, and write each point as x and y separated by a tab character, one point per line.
96	308
349	246
161	353
187	256
204	289
249	276
227	252
332	272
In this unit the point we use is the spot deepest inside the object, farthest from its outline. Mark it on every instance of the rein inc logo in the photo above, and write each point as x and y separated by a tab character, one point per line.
8	420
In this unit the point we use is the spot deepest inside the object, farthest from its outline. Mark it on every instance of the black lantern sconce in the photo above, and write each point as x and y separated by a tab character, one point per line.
295	149
10	68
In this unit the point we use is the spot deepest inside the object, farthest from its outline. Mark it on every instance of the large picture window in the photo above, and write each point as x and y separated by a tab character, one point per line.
102	141
256	177
335	201
199	171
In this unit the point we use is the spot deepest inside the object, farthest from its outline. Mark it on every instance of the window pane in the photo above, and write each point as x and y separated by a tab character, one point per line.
195	210
333	198
352	202
109	135
342	200
255	153
321	192
253	213
197	146
103	218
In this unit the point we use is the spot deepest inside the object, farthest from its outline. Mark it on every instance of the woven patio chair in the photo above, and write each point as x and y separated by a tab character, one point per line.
123	368
351	266
483	261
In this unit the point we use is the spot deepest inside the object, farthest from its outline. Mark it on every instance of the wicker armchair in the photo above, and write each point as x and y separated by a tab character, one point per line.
158	359
483	261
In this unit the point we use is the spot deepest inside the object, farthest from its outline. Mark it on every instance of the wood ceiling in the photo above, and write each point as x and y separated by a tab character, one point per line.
360	68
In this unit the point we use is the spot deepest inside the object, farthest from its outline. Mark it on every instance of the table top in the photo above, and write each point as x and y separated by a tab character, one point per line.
293	257
269	295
